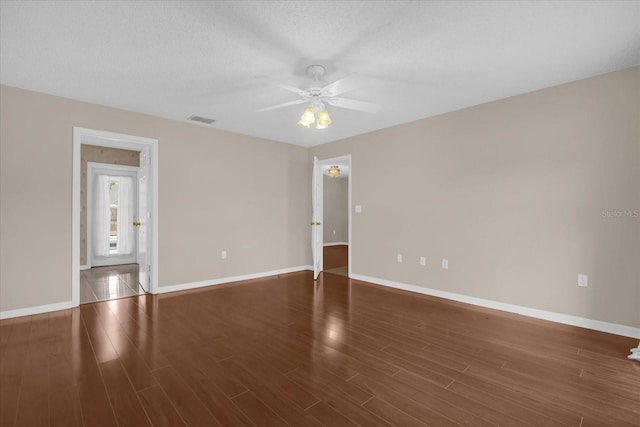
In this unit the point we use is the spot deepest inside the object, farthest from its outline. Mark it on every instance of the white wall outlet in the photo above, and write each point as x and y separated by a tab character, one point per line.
358	208
423	261
445	264
399	257
583	280
223	255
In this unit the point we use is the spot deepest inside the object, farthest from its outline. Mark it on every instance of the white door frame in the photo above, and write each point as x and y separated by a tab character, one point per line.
317	248
92	167
125	142
328	162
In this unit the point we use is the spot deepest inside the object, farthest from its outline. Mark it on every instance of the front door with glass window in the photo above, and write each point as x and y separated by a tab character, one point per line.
112	214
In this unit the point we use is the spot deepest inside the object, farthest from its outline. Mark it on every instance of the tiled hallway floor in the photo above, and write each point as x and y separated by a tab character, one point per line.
105	283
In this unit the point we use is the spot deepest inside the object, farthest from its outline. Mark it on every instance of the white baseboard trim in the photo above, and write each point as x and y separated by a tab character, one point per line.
85	267
221	281
335	244
8	314
612	328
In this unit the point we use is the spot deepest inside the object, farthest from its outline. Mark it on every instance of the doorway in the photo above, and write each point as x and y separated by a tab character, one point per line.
109	226
331	220
335	219
138	258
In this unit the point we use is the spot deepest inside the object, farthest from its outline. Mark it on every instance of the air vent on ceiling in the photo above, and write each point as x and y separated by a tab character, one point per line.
201	119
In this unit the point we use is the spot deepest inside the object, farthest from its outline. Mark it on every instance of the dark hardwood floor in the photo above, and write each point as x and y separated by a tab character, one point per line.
285	351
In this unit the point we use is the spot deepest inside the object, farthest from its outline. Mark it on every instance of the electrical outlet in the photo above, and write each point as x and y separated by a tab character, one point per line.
423	261
399	258
223	255
583	280
445	264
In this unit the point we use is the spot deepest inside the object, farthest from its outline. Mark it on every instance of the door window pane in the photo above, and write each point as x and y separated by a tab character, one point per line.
113	229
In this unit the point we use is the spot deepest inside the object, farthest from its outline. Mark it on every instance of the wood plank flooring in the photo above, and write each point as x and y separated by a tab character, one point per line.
285	351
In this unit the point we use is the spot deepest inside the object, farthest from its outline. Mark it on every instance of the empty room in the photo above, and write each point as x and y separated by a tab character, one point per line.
319	213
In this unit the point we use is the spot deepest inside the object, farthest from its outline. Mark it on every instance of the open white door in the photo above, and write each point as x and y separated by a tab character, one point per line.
144	221
316	218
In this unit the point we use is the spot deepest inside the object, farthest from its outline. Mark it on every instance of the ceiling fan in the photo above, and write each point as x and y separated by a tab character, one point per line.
317	95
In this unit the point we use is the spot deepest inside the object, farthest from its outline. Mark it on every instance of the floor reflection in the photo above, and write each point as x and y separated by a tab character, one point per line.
333	314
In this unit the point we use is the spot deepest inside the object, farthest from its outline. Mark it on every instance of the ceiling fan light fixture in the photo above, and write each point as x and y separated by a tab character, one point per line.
334	171
307	118
303	124
324	120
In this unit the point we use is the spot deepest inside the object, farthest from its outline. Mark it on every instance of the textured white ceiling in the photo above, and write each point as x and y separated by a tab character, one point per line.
416	59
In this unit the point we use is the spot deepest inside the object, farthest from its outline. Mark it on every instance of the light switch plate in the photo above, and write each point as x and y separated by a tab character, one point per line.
223	255
399	258
423	261
445	264
358	208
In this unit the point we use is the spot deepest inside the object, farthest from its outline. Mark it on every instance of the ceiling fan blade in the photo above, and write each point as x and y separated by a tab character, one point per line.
285	104
284	86
341	86
354	105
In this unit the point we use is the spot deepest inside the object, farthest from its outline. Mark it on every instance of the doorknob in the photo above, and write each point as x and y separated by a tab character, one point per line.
137	223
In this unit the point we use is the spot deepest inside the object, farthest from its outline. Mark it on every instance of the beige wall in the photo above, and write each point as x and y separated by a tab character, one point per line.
515	194
335	210
91	153
217	190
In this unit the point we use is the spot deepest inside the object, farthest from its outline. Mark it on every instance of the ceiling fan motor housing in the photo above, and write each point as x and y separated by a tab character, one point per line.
316	72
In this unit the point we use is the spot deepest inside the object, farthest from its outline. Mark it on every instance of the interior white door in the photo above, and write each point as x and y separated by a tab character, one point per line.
112	210
144	221
316	218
